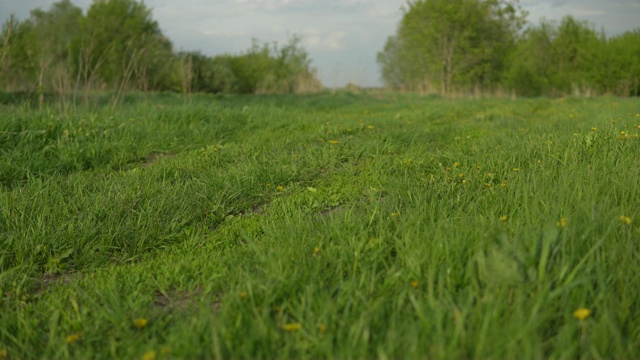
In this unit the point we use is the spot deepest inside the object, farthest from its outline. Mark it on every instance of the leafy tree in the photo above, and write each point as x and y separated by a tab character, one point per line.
291	69
269	68
119	46
54	33
16	64
532	62
451	43
7	39
575	52
622	68
395	72
225	79
122	43
201	73
560	59
263	68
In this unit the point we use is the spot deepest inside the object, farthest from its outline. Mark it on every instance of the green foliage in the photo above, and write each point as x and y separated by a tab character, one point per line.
118	46
321	226
558	59
18	67
532	62
461	45
622	74
265	68
395	72
271	69
572	58
450	45
122	43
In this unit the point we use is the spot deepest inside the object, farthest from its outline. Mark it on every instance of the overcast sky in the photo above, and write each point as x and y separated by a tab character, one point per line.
342	36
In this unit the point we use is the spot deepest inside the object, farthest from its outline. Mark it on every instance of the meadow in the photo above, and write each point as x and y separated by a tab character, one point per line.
335	225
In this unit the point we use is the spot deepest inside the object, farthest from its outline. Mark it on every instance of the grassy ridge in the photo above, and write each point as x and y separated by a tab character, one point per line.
321	226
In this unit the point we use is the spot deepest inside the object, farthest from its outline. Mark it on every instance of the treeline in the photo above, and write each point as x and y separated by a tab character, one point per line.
463	46
118	46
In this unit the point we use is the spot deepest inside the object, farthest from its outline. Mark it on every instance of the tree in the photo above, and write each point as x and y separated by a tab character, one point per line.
263	68
118	46
622	68
201	73
575	52
123	40
16	66
268	68
54	33
394	72
451	43
531	64
6	39
560	59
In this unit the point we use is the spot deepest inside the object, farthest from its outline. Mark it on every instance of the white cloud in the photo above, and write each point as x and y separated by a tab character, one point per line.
614	16
322	40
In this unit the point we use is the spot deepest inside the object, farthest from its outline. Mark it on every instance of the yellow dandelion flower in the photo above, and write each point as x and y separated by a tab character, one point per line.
370	127
581	314
140	323
334	142
415	284
322	328
460	176
625	220
464	181
280	188
4	353
291	327
316	250
150	355
594	129
504	218
394	214
457	315
623	133
561	223
516	169
456	164
503	184
72	338
242	295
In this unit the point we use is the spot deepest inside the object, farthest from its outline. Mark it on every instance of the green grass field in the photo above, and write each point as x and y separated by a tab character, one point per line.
325	226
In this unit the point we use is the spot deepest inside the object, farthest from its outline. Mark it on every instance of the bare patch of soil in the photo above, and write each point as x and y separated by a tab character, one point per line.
154	157
179	300
48	281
